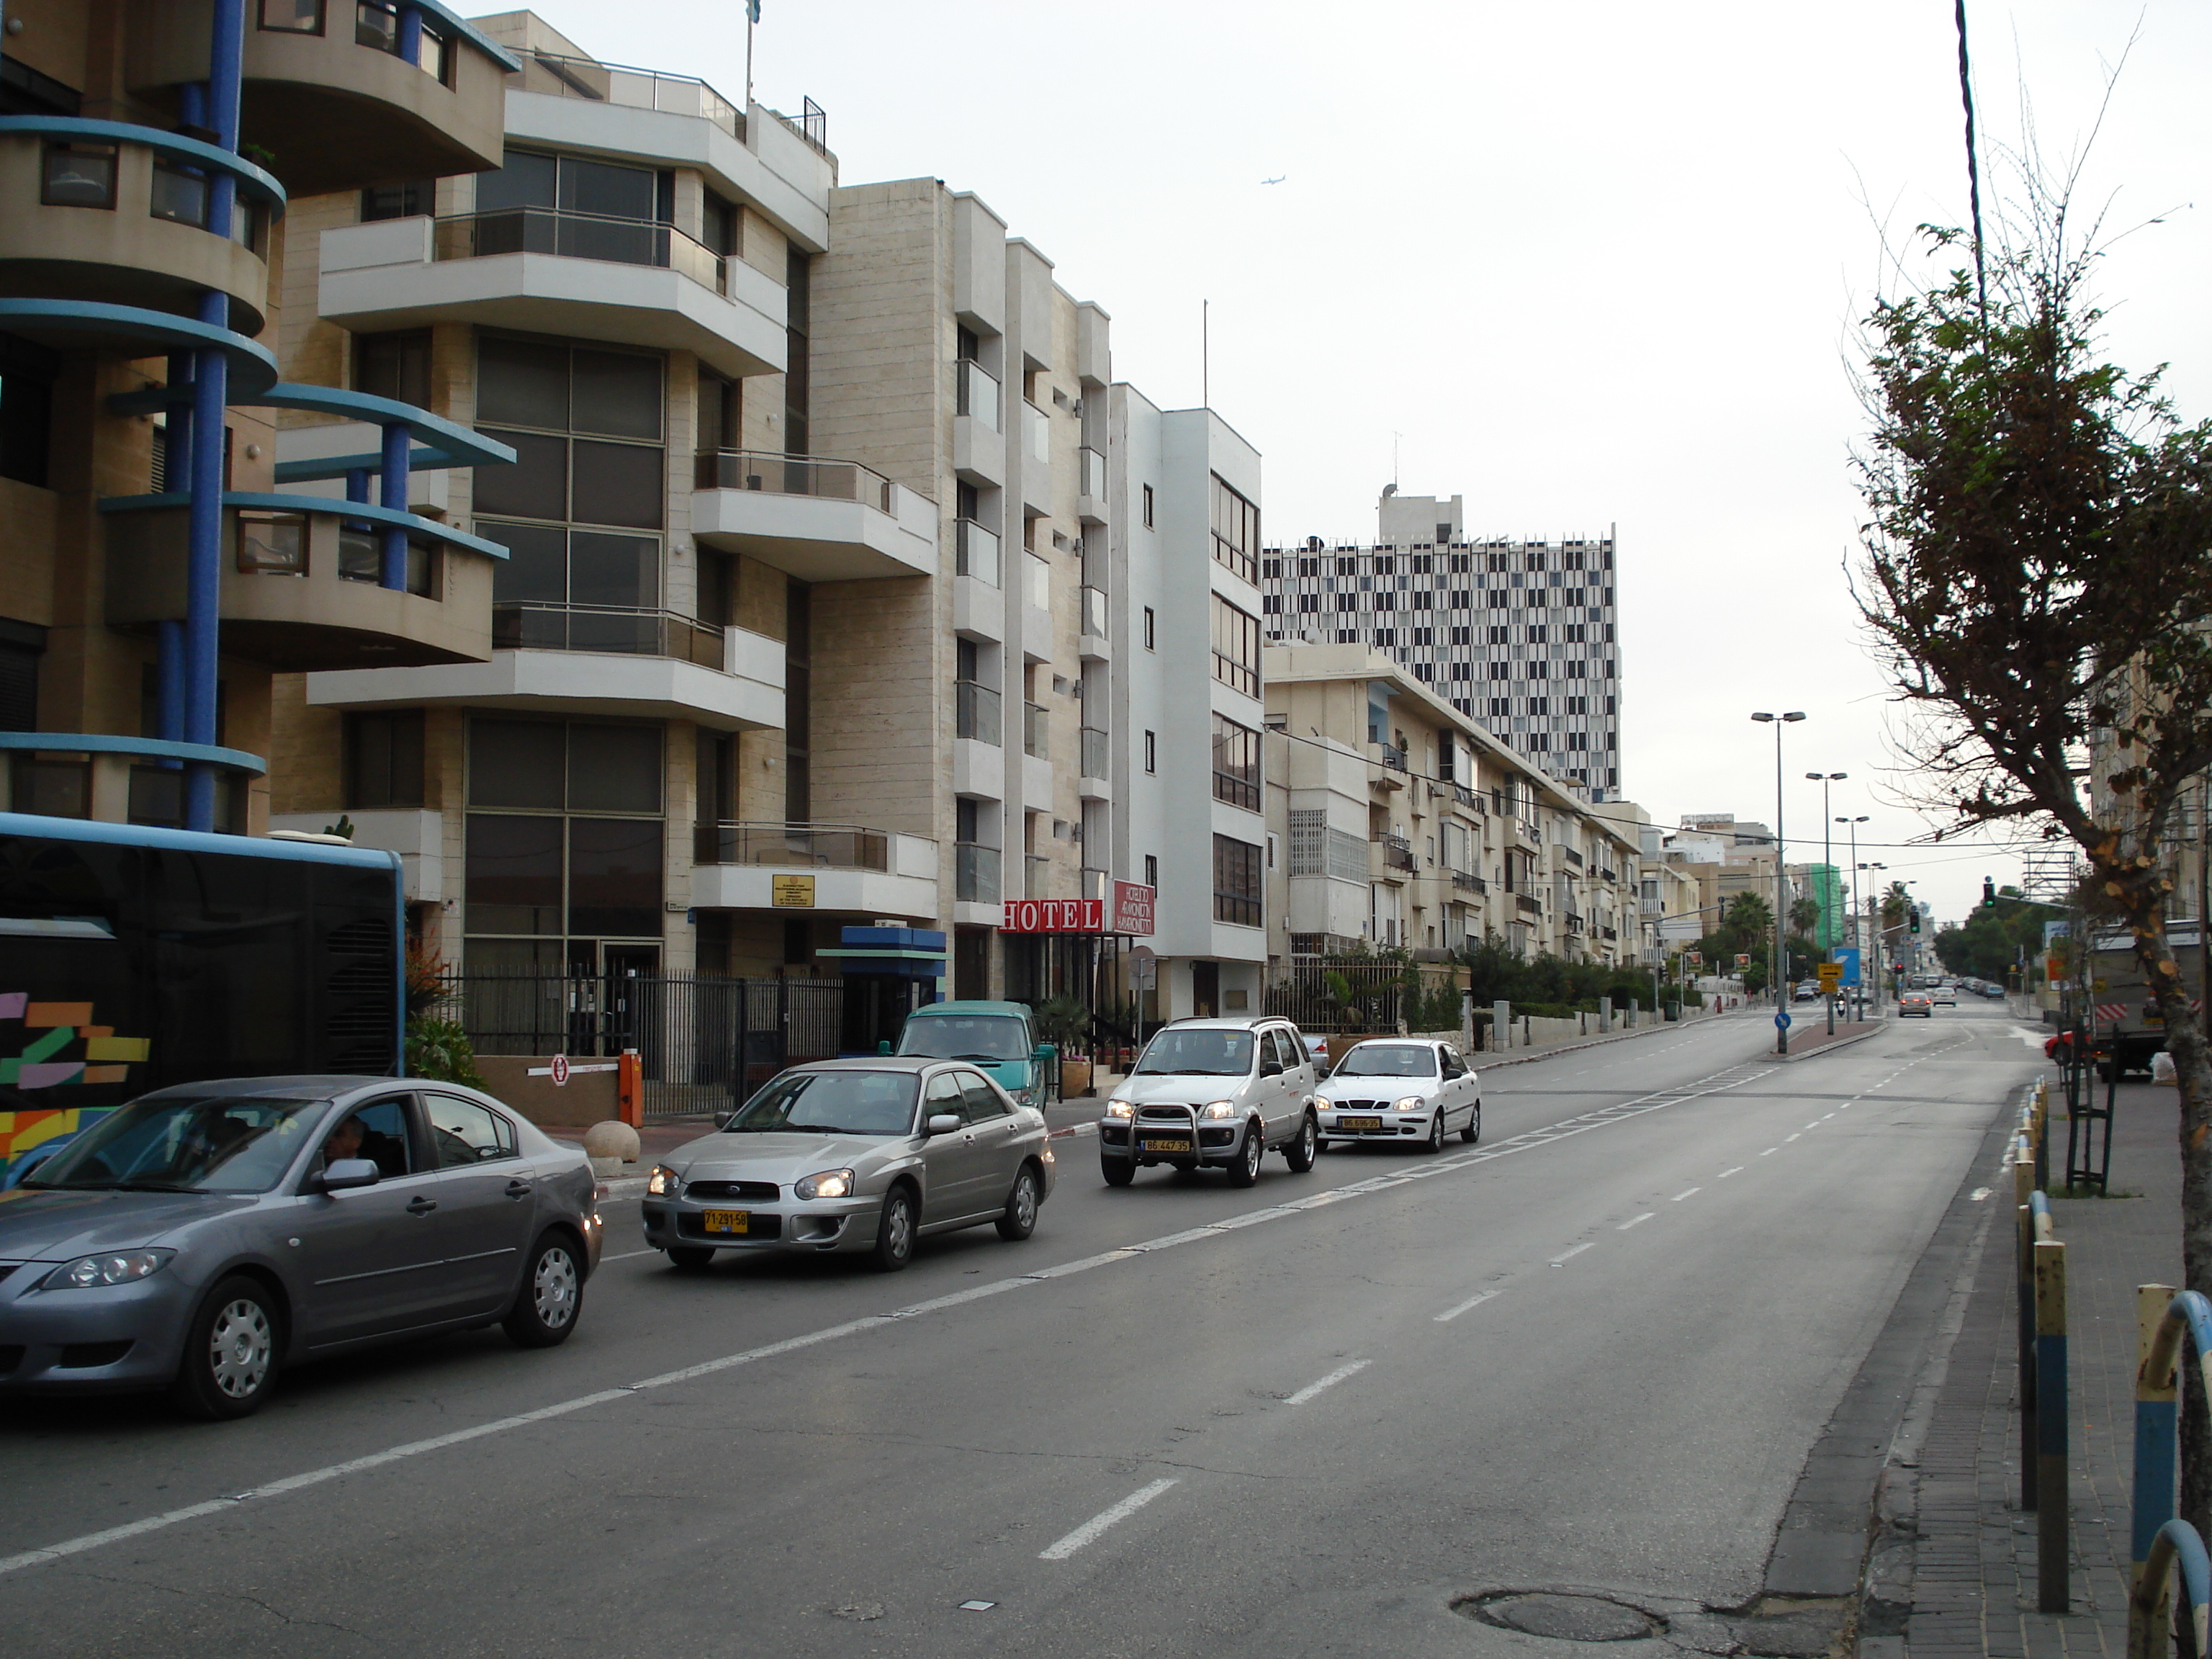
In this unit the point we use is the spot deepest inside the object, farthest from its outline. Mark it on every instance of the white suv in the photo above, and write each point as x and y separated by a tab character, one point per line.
1213	1092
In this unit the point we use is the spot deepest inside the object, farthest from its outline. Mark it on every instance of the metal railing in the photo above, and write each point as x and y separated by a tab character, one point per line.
1466	797
1397	852
792	475
1036	730
975	711
976	393
1349	997
977	554
634	88
1571	856
1094	612
579	236
820	846
1467	882
1527	904
1097	750
534	625
975	873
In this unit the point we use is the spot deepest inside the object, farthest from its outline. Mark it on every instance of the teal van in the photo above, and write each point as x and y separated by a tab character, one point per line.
996	1035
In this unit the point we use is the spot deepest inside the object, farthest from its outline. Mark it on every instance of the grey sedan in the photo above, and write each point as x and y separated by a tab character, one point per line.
860	1155
205	1235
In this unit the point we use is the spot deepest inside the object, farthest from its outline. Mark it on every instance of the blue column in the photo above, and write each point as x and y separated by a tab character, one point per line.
203	563
398	456
411	33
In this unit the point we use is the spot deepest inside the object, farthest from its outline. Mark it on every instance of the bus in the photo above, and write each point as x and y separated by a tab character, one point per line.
131	958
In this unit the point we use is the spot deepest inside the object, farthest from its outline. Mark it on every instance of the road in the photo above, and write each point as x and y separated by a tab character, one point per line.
1592	1350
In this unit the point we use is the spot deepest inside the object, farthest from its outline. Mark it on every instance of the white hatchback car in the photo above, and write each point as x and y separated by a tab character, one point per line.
1400	1088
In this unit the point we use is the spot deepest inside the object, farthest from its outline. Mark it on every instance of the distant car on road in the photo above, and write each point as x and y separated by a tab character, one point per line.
1402	1089
205	1236
1945	996
1809	990
855	1154
1916	1002
1213	1093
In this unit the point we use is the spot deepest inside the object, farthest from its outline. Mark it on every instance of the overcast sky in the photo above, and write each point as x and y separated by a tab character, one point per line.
1586	266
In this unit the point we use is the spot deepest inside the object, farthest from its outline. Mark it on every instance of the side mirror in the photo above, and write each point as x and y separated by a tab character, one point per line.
944	1123
1321	1070
1044	1054
722	1120
349	1173
1270	1068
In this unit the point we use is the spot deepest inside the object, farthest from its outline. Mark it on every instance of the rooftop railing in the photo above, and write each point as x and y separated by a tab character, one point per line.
792	475
535	625
634	88
579	236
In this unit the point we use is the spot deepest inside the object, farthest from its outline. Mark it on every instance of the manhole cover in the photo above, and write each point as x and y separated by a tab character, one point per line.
1563	1617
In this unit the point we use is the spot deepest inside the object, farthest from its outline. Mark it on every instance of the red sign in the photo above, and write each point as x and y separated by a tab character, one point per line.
1054	916
1132	908
559	1069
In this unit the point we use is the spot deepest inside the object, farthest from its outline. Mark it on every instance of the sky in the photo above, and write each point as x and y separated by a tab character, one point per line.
1588	266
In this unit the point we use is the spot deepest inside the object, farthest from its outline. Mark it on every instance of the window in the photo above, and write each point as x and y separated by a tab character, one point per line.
1151	751
1308	603
78	175
179	196
1150	644
1271	604
384	759
1235	765
1347	602
27	392
409	200
1235	532
1536	634
271	543
1148	507
395	365
292	17
1152	871
463	1133
1235	647
1237	882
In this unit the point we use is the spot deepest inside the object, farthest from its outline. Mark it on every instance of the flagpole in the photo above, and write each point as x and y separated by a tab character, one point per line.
752	16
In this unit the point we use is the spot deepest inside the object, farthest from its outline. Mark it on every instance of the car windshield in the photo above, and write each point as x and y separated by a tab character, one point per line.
186	1144
830	1104
1198	1053
1390	1059
966	1036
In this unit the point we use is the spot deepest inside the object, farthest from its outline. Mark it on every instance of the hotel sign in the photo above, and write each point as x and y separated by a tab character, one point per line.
1054	916
1132	908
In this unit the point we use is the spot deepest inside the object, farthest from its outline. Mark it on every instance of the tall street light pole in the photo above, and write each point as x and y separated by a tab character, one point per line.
1859	938
1828	869
1781	881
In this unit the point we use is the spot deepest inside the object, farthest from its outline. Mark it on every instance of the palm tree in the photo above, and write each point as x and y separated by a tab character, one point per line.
1896	903
1805	916
1749	914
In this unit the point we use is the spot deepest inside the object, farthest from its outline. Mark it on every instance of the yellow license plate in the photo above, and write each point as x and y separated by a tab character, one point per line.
727	1221
1176	1145
1359	1123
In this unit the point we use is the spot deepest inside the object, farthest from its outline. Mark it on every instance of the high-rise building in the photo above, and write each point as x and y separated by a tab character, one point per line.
1518	634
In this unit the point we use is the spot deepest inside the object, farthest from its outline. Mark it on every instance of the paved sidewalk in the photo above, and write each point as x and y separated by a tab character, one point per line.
1953	1571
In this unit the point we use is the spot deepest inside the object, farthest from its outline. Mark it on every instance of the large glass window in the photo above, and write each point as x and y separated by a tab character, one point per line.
1235	647
395	365
1235	765
1236	881
384	759
1235	532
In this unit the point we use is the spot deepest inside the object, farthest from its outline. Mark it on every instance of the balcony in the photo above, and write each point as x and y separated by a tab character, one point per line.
1527	904
591	660
1037	730
1609	932
626	281
1091	641
1467	798
1467	882
975	711
819	520
1386	767
977	552
109	212
1035	457
976	394
1037	876
1090	485
1397	852
555	76
1098	752
975	873
342	94
1571	856
1604	874
850	868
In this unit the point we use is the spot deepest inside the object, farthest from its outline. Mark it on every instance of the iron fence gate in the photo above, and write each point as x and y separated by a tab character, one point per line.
704	1043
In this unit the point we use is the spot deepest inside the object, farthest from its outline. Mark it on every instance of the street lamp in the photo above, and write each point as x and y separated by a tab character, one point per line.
1828	865
1781	903
1859	938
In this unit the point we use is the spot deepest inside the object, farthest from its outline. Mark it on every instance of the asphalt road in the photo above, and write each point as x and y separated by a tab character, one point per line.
1593	1350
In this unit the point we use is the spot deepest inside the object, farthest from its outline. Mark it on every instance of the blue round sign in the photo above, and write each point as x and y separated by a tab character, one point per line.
1781	1021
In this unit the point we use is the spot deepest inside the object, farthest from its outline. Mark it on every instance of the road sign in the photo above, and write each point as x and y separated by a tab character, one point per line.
1831	975
1781	1020
1847	958
1743	959
1695	958
559	1069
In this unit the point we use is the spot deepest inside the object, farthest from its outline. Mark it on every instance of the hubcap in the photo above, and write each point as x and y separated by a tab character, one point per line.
555	1289
902	1225
238	1348
1025	1202
1252	1152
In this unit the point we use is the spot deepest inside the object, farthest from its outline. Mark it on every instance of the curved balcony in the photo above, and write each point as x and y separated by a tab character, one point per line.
136	331
106	211
300	585
111	778
329	88
819	520
735	867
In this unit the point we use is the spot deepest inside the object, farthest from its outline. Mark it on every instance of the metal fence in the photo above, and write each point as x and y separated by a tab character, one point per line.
1354	997
704	1043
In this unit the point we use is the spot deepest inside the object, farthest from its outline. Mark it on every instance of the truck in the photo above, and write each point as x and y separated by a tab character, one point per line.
2124	1018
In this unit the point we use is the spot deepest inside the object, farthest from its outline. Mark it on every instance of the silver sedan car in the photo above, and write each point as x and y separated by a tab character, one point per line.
205	1236
858	1155
1400	1089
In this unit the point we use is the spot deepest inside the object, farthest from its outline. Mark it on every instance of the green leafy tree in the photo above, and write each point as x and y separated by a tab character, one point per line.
1749	916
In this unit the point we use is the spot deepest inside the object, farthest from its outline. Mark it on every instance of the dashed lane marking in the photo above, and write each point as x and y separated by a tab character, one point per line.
1328	1382
1089	1530
1450	1314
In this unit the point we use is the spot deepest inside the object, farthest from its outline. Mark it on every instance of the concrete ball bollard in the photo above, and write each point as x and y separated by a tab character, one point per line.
610	1146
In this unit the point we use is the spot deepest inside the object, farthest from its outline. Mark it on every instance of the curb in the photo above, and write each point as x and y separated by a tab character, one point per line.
1825	1048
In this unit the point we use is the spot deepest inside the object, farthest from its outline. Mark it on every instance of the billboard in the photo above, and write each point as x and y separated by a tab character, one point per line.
1132	908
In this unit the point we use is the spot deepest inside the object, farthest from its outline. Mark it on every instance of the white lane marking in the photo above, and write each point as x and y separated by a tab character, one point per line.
1814	1124
1725	1174
1449	1314
1786	1139
1770	1151
1978	1195
1568	1255
626	1255
1088	1531
1825	1116
1328	1382
1688	1192
1633	1221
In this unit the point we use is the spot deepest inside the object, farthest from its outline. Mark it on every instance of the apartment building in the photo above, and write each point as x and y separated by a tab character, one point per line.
1517	634
1397	820
159	566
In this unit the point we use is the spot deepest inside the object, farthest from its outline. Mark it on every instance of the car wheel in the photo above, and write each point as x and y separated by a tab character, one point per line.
689	1258
895	1231
1473	1133
1245	1171
1118	1171
552	1295
1435	1143
1304	1147
230	1352
1019	1220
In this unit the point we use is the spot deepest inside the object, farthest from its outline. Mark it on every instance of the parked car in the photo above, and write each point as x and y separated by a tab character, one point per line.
997	1036
855	1154
1399	1089
1213	1093
203	1236
1916	1002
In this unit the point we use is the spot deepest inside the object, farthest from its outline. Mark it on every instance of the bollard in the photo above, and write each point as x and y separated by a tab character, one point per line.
1501	1026
2023	1253
2157	1422
2052	1590
629	1096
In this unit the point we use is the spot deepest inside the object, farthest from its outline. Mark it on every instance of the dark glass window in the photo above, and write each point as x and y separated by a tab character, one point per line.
516	764
524	180
537	565
384	759
617	570
403	201
723	226
604	188
614	875
1235	532
1235	765
535	487
396	365
78	175
615	483
513	882
27	391
614	769
1236	892
616	393
522	382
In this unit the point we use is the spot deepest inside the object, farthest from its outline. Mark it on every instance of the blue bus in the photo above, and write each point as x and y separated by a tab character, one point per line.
131	958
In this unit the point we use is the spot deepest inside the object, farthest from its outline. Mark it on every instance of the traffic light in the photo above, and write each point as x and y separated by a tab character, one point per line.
1916	920
1989	891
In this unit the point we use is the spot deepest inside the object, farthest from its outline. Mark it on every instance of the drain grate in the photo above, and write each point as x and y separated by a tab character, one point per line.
1563	1618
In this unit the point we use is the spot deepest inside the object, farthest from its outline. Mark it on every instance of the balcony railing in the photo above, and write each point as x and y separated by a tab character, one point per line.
1097	750
815	846
1467	882
579	236
1391	757
1609	932
793	475
975	873
1096	882
531	625
1574	922
978	554
1093	472
1529	904
975	711
1397	852
1604	874
1036	730
1466	797
1094	612
633	88
977	390
1571	856
1036	432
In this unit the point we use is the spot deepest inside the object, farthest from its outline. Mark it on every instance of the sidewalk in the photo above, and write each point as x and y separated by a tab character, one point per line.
1954	1574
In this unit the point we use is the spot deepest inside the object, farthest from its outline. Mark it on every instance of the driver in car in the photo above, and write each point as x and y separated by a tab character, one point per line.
345	1141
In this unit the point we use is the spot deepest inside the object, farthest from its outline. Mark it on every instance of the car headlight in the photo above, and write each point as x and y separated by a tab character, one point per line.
663	1183
1121	1109
1414	1103
121	1268
1219	1108
830	1184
